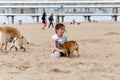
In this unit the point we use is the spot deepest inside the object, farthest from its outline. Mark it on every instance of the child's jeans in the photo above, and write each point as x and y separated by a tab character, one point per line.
59	54
55	54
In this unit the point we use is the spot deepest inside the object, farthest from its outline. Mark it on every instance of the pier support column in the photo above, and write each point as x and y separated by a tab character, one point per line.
62	18
114	18
7	18
87	18
57	18
38	19
33	17
12	19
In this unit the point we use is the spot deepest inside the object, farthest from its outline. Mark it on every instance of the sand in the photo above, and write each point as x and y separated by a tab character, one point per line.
99	45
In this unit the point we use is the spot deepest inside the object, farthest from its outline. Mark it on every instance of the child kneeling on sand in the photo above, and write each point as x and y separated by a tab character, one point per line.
57	39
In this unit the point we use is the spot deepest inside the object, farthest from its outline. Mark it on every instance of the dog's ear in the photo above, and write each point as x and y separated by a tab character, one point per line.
21	37
25	40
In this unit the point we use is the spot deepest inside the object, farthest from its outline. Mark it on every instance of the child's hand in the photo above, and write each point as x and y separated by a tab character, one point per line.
62	51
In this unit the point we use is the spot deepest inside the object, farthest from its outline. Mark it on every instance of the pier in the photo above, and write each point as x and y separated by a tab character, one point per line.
35	8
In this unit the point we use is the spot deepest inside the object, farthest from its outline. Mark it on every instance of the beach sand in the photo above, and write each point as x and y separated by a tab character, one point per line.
99	46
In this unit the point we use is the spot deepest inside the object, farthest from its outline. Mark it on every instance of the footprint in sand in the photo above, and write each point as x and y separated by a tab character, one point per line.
24	66
55	70
112	33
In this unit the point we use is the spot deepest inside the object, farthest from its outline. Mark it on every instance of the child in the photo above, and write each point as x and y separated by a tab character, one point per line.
57	39
44	20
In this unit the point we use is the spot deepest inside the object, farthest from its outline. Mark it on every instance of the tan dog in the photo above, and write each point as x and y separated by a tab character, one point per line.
70	46
7	34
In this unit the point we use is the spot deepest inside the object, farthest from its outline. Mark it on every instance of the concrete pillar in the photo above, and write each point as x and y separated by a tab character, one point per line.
62	18
87	18
114	18
7	18
33	17
38	19
57	18
12	19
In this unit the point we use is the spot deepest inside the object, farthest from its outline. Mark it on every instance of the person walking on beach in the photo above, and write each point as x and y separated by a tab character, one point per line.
44	22
57	39
51	21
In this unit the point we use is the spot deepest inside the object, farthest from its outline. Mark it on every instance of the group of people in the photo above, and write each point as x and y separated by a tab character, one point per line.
58	38
44	20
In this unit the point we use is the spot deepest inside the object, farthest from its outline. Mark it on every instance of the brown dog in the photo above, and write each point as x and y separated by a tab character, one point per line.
7	34
70	46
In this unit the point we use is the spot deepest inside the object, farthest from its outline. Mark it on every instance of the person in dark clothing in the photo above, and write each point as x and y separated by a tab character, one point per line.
44	20
51	21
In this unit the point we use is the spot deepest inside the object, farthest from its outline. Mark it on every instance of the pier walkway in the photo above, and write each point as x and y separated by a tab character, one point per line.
35	8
